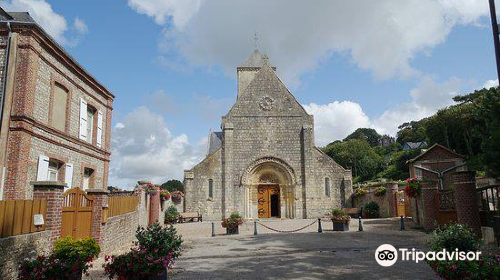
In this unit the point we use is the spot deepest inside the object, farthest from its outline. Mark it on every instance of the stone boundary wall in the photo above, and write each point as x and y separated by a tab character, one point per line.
15	249
119	233
387	202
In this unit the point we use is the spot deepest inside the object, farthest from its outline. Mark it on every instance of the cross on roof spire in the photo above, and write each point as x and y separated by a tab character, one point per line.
256	39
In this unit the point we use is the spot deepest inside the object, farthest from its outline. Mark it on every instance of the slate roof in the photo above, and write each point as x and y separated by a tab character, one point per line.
435	146
214	141
414	145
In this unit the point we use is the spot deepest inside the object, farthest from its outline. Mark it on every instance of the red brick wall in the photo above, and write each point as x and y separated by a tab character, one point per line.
466	200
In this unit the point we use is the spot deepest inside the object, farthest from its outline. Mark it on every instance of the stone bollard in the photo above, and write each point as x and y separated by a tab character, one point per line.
254	227
53	193
320	230
402	222
466	200
213	229
430	204
360	226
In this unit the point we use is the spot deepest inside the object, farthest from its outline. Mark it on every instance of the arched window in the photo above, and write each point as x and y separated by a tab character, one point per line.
327	186
210	188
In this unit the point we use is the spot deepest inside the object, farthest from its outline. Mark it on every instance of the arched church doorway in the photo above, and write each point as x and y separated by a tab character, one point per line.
269	201
269	189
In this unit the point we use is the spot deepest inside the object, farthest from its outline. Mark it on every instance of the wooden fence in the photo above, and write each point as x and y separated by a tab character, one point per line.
118	205
16	216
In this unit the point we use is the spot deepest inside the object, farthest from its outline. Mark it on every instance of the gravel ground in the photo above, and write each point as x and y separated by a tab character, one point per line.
302	255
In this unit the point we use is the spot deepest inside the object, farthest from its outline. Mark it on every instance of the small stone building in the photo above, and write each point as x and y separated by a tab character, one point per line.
437	163
263	164
56	117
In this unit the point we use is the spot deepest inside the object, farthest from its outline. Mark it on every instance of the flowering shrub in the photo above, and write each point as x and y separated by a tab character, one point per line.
360	191
164	196
171	215
339	215
177	196
69	259
413	187
488	267
156	249
233	221
457	236
137	264
380	191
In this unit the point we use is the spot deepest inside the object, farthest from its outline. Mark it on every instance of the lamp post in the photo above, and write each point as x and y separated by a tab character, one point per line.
496	40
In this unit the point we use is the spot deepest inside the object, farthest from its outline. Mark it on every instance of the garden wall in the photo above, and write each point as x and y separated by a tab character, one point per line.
119	233
387	202
14	249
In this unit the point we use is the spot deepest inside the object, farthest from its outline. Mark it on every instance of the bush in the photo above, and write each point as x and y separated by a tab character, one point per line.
454	236
372	209
156	249
157	238
69	259
171	215
360	191
457	236
380	191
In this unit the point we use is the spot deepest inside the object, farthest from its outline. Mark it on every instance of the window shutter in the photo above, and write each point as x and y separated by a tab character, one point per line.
68	175
43	168
83	119
99	130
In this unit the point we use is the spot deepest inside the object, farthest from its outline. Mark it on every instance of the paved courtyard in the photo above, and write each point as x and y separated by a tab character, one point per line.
303	255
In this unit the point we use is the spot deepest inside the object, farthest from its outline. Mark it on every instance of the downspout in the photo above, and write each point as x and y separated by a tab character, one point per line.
4	90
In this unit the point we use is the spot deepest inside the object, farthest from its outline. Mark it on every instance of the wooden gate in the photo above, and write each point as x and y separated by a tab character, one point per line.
76	214
447	212
400	204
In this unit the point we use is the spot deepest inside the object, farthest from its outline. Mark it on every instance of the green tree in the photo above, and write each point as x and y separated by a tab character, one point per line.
413	131
488	111
357	155
173	185
368	134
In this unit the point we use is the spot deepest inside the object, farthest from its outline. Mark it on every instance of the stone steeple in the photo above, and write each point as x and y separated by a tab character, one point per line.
246	72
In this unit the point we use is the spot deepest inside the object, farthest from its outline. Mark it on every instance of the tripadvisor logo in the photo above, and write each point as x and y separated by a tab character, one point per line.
387	255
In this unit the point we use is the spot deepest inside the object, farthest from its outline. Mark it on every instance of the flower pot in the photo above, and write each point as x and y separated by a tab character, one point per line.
162	276
340	226
232	230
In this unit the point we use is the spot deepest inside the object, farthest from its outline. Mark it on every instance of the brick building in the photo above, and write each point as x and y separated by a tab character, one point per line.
263	164
55	117
437	163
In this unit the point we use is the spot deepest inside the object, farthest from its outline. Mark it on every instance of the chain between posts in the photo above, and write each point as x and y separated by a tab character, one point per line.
287	231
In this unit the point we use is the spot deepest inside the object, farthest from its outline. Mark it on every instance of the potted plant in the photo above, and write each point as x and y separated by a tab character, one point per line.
69	260
150	189
371	210
413	187
164	195
232	223
340	220
171	215
177	196
380	191
360	191
156	249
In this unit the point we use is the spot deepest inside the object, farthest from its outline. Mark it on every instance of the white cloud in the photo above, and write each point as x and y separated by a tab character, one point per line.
380	36
336	120
144	148
490	83
80	26
52	22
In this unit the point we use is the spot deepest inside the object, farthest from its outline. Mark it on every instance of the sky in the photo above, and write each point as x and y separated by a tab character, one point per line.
172	65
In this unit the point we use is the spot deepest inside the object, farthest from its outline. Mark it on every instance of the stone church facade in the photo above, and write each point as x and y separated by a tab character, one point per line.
264	164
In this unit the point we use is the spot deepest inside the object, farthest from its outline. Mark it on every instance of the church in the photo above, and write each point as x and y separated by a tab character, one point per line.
263	163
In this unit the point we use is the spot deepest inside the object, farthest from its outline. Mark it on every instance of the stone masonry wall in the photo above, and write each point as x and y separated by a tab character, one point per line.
119	233
14	249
